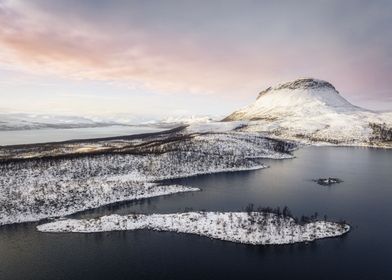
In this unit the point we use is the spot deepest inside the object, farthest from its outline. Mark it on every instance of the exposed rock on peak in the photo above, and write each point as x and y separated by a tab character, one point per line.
306	83
303	83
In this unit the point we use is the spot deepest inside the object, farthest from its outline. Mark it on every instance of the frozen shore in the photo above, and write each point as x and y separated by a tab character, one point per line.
66	200
257	228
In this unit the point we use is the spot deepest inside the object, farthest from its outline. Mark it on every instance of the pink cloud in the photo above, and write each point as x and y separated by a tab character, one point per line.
141	57
41	45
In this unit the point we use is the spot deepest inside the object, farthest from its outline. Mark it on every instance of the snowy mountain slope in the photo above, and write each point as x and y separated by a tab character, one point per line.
314	111
300	97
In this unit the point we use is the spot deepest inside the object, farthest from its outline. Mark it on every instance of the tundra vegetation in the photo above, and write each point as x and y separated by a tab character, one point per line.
58	179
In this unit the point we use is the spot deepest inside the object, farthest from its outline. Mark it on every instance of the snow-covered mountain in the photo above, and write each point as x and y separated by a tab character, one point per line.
313	110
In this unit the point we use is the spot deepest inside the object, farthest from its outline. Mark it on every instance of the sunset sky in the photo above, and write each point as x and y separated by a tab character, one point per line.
162	58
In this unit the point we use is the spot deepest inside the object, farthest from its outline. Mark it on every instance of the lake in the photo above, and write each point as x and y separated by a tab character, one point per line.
17	137
363	200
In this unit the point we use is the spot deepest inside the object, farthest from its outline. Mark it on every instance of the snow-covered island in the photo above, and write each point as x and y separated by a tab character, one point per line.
257	228
328	181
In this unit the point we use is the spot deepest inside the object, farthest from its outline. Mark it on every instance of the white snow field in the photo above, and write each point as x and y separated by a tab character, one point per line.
313	111
52	180
257	228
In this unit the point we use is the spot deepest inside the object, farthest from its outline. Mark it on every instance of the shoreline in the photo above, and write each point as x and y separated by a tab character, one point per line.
45	184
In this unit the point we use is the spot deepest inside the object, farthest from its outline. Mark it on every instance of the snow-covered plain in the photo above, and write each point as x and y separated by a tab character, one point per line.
313	111
51	180
258	228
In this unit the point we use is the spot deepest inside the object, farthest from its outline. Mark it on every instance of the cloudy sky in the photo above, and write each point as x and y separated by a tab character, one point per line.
160	58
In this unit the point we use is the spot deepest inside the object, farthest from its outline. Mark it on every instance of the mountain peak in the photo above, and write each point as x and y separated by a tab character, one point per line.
301	84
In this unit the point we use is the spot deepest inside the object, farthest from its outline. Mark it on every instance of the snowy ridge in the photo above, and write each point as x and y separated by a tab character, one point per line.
257	228
312	111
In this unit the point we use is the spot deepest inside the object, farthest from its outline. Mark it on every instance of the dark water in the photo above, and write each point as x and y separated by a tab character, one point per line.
364	200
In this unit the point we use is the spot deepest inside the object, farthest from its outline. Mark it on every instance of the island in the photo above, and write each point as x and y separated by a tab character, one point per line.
328	181
256	228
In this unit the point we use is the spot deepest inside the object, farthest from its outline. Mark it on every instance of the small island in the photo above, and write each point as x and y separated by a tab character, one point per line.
256	228
328	181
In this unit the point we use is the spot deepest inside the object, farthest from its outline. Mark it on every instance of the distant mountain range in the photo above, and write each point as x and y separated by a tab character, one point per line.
19	121
312	110
22	121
